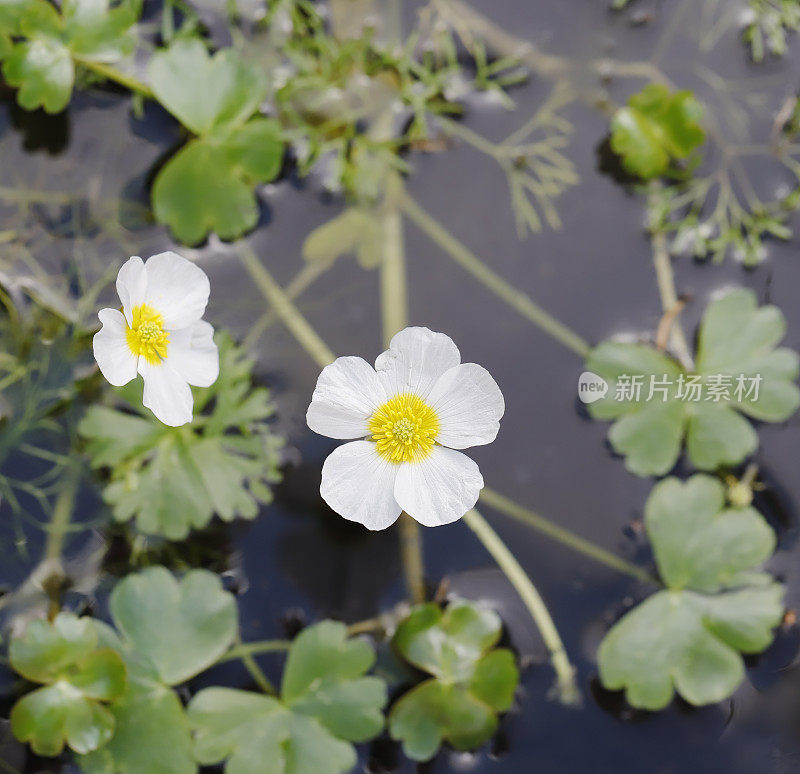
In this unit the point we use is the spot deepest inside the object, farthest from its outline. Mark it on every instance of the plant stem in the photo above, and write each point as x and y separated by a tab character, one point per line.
298	326
368	626
662	261
62	514
566	686
496	284
302	280
411	556
509	508
260	679
245	649
113	74
394	316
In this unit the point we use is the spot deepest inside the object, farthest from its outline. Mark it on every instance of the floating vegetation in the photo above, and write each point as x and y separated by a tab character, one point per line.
126	680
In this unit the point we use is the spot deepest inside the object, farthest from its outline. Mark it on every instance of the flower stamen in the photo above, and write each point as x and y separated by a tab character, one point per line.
404	429
146	336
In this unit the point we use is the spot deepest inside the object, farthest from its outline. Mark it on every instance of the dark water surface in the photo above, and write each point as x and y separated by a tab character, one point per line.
299	561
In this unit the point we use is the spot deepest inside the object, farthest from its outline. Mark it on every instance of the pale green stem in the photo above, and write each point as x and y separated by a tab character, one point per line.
62	515
259	678
245	649
566	686
394	315
301	282
665	278
113	74
526	516
298	326
506	292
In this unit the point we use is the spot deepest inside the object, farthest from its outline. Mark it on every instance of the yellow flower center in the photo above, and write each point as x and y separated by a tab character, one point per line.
404	429
146	335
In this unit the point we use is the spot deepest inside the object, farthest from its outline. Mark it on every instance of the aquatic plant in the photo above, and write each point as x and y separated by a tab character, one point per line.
159	334
415	408
296	90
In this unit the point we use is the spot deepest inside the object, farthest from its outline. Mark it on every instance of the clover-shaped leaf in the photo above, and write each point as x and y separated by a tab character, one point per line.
171	480
326	703
324	679
471	684
78	677
655	128
42	63
208	185
657	404
151	732
699	543
689	637
180	627
258	735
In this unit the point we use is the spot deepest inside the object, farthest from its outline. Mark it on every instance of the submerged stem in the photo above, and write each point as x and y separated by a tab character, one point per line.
509	508
298	326
506	292
566	686
394	316
62	515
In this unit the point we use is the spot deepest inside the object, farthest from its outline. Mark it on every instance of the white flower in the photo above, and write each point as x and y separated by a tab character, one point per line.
160	334
411	411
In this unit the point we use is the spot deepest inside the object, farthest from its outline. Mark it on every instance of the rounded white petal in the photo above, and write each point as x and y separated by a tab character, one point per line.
468	404
117	363
416	358
166	393
177	289
194	355
131	285
440	489
359	485
347	393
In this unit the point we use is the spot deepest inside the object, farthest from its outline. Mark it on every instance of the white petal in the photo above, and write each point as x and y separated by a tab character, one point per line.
440	489
359	485
416	358
131	285
166	393
194	355
176	289
347	393
468	404
117	363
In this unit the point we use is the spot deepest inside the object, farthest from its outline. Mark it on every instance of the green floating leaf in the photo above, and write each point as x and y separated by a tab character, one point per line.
79	678
208	185
42	69
326	703
656	128
738	371
699	543
689	637
180	627
471	684
42	64
171	480
152	731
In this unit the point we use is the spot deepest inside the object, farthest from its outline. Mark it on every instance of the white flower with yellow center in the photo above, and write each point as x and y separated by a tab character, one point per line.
160	334
411	411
